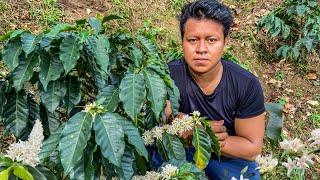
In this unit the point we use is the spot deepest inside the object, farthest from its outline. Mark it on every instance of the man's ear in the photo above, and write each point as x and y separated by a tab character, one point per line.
226	41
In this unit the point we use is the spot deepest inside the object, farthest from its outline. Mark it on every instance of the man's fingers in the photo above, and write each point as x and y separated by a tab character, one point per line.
217	123
222	143
222	136
218	129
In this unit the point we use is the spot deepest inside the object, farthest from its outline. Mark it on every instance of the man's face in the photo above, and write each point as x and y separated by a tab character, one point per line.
203	44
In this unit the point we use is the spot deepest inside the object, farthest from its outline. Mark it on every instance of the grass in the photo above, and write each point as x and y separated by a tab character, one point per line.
3	6
49	14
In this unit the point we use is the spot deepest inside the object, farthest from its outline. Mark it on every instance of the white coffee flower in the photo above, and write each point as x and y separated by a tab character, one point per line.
27	151
196	113
151	175
266	163
241	178
180	126
168	171
148	138
290	165
304	162
157	132
315	138
16	151
293	146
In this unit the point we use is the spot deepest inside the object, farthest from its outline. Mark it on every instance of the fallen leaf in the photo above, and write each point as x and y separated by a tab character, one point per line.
88	11
289	109
313	103
312	76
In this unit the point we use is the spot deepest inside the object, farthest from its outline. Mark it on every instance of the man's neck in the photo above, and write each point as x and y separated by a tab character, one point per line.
208	81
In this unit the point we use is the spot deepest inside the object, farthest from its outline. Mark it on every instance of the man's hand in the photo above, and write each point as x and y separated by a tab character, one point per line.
220	130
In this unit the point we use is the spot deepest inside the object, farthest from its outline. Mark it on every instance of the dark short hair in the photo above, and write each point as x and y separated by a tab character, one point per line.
206	9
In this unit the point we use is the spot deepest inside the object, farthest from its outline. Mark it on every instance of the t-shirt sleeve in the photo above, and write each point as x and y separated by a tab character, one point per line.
252	101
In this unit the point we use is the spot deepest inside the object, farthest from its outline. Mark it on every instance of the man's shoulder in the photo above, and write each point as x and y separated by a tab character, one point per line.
177	62
236	71
177	68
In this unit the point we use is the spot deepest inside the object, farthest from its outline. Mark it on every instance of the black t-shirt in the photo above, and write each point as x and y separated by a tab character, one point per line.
238	95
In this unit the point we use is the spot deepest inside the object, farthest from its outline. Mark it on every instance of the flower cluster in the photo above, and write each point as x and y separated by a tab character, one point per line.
94	108
266	163
301	163
27	151
177	127
293	146
167	172
241	178
315	138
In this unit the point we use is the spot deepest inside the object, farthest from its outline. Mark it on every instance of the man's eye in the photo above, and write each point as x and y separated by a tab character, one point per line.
192	40
212	40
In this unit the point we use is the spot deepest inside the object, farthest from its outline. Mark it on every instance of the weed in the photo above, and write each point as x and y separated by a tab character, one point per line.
282	100
298	93
50	2
315	119
280	75
149	31
3	6
48	14
176	5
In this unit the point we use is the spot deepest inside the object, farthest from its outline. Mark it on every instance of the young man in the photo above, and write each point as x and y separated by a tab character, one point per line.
219	89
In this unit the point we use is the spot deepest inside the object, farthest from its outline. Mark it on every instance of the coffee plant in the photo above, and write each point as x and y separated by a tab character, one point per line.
295	28
95	93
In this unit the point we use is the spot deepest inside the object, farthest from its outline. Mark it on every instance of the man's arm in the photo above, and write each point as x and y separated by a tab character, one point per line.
248	141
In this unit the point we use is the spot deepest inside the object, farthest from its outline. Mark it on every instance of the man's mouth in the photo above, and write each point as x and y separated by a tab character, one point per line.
200	59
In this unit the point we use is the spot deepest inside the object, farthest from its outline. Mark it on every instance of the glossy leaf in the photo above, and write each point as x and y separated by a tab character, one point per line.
22	172
134	137
3	100
274	126
49	175
16	112
202	144
50	121
29	42
126	170
174	147
55	92
24	71
215	145
51	69
136	55
95	24
74	139
148	45
50	144
10	54
157	92
33	108
108	97
37	175
132	93
59	28
4	175
69	52
100	46
88	163
78	173
174	97
110	136
73	96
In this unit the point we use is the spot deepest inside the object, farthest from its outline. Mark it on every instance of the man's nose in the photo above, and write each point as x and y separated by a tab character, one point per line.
202	47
